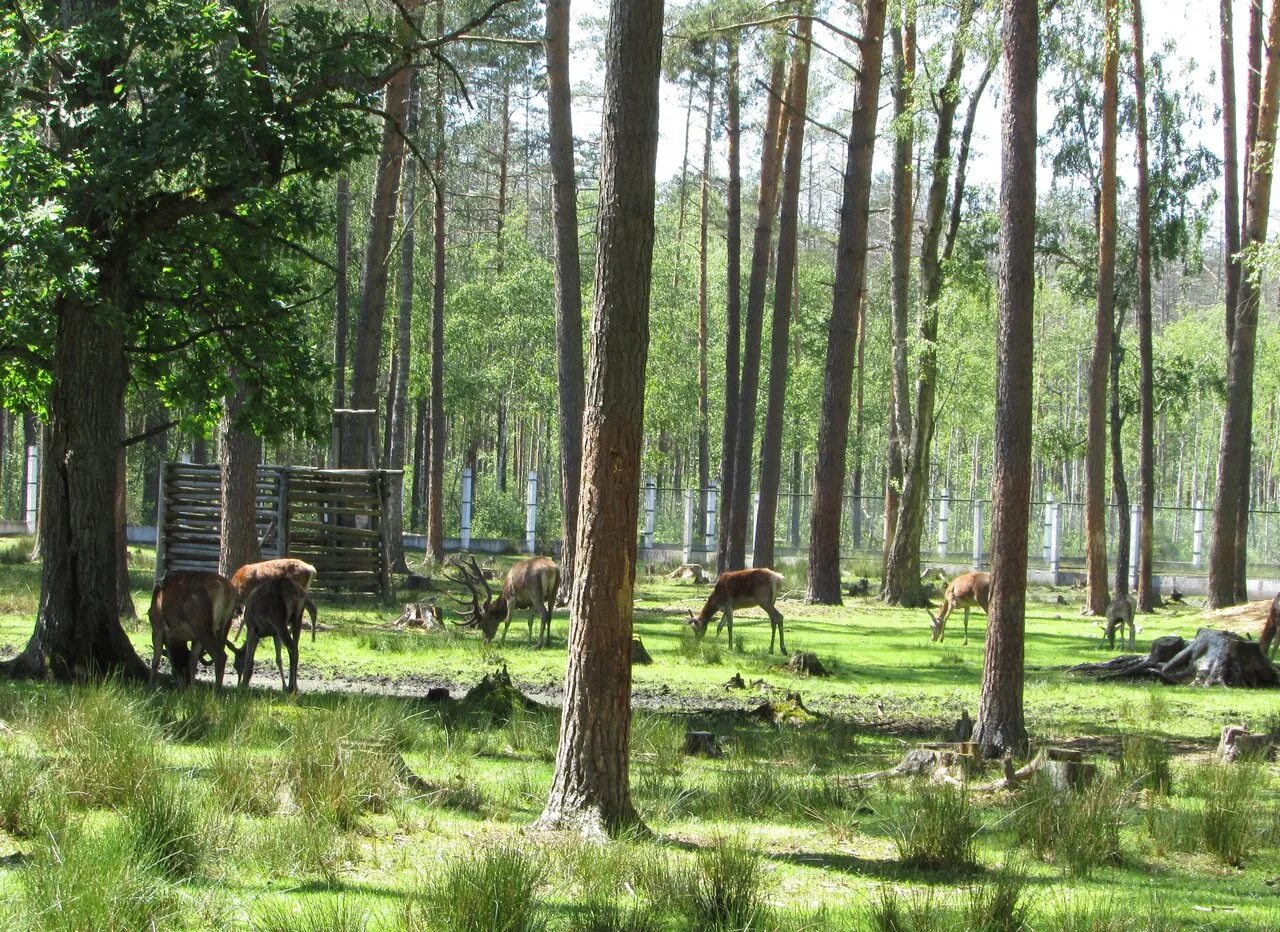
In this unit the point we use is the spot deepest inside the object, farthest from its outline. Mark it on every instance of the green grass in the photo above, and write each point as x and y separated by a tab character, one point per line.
129	807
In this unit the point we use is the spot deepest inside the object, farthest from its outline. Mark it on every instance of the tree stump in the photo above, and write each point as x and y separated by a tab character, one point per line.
964	726
496	695
1212	658
422	616
943	763
437	694
860	588
735	682
638	653
790	711
702	744
806	663
690	571
1238	743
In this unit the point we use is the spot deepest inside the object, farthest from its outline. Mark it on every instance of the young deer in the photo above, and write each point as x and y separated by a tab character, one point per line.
742	589
1120	615
195	608
532	583
251	575
1269	639
274	609
970	590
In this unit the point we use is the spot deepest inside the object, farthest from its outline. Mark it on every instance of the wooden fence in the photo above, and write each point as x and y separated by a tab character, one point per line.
332	518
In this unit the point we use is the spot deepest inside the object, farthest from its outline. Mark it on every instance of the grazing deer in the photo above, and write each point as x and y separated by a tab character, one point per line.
274	609
968	590
742	589
193	607
1269	639
532	583
252	575
1120	615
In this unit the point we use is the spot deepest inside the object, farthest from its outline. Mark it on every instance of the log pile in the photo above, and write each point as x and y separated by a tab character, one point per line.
1211	658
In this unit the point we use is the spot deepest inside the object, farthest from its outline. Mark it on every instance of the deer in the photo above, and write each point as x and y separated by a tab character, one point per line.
251	575
274	609
968	590
531	583
1120	615
193	607
742	589
1269	639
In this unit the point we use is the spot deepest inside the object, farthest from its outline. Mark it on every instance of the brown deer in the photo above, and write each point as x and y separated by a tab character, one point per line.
969	590
1120	615
252	575
195	608
1269	639
531	583
742	589
274	609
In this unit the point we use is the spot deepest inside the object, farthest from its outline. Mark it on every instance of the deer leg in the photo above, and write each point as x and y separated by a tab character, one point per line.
250	649
544	638
193	662
775	621
291	644
726	621
219	655
279	662
966	624
157	645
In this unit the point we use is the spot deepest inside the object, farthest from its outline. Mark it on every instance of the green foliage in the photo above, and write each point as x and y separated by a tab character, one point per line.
936	828
491	890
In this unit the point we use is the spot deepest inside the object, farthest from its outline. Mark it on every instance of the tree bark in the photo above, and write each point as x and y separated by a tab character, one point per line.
902	576
340	315
124	597
1230	516
417	491
784	282
435	446
1095	505
860	329
240	452
749	386
1146	391
590	790
564	207
851	262
704	401
1001	727
1119	484
733	304
359	433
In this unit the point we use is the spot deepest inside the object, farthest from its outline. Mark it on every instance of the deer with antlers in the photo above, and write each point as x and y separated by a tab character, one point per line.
969	590
742	589
531	583
191	608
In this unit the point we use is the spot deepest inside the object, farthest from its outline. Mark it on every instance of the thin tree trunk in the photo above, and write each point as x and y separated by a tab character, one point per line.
1119	484
749	386
435	444
851	261
733	305
704	454
1095	504
860	328
962	159
1146	429
417	492
1001	726
239	453
780	342
125	598
568	282
340	315
503	158
589	790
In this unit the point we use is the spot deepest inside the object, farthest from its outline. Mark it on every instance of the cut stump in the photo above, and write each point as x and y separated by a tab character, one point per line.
423	616
1212	658
638	653
702	744
807	663
1238	743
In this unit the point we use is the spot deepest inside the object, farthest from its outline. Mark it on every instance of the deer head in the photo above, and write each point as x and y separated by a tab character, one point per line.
935	625
699	625
483	615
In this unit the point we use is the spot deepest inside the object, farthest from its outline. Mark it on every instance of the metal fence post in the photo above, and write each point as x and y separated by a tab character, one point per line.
755	518
650	506
1048	530
1197	538
33	487
977	533
688	526
1135	512
1055	538
531	514
710	511
466	508
944	513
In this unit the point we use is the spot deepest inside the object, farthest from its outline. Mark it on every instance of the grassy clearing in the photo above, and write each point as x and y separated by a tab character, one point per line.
126	807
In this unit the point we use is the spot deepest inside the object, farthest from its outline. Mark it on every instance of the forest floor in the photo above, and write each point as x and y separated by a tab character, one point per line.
360	804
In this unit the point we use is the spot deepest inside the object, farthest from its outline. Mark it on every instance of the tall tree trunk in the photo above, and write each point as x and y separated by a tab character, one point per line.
902	577
851	267
784	282
1230	516
123	595
1001	726
1146	391
901	217
504	158
589	790
704	453
1119	484
435	446
1095	503
860	328
733	304
749	386
340	315
568	282
240	452
398	406
417	491
359	432
962	158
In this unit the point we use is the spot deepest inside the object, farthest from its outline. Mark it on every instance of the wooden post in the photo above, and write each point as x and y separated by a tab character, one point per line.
944	515
378	482
1135	512
531	514
1055	540
466	508
1047	548
650	506
755	518
977	533
282	512
160	521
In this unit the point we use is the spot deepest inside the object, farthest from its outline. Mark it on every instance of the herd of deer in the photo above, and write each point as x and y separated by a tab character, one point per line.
197	609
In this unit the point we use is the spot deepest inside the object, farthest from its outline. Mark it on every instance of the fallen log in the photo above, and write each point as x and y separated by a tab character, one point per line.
702	744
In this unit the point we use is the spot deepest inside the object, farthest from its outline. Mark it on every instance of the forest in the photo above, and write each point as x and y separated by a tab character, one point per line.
373	318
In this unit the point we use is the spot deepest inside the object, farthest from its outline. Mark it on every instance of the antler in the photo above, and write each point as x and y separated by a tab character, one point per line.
468	577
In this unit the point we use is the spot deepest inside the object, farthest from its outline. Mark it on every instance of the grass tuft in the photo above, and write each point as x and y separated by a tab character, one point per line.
1080	828
936	828
491	890
1145	763
724	888
999	904
166	825
104	743
340	913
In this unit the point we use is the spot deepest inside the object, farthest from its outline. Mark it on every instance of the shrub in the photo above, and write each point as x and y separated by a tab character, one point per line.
936	828
1144	762
491	890
166	826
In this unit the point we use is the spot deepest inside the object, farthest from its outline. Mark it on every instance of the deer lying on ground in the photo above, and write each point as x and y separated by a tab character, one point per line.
251	575
969	590
195	608
274	609
1120	615
1269	639
742	589
531	584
